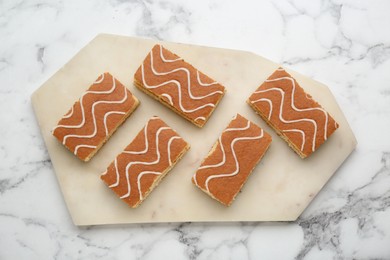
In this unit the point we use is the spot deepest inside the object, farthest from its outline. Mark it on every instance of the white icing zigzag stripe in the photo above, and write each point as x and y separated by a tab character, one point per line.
70	114
145	151
222	149
82	108
93	113
94	117
298	131
303	109
144	163
139	182
179	90
110	113
270	114
133	152
204	84
292	121
168	97
117	174
169	148
167	60
83	146
200	118
177	83
197	72
270	105
99	80
188	77
180	59
235	172
153	172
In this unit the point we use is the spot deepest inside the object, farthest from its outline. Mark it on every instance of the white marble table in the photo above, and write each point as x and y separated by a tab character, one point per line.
344	44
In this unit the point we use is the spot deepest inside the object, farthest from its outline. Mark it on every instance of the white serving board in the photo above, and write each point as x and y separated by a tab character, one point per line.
280	187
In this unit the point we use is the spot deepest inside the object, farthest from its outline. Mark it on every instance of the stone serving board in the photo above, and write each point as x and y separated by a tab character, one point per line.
280	187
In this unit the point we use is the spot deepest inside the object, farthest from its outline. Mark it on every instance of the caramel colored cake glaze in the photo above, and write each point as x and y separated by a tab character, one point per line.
232	159
293	114
145	161
178	85
95	116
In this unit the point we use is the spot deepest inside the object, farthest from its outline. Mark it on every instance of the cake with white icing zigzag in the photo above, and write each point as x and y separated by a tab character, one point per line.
95	116
292	113
178	85
231	160
136	171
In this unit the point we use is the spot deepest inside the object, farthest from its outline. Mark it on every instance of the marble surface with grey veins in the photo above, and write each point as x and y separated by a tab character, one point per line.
344	44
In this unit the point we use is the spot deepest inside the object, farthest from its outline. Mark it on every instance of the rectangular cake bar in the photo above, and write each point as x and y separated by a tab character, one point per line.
232	159
292	113
178	85
95	116
145	161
